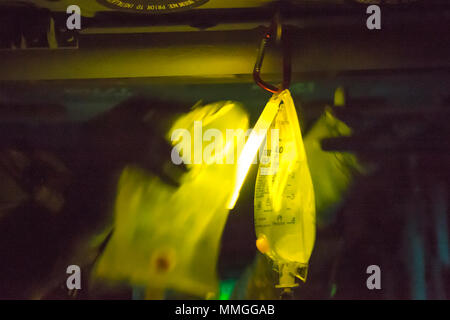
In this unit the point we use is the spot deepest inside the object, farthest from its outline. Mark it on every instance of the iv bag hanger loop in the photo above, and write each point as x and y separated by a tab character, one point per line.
277	34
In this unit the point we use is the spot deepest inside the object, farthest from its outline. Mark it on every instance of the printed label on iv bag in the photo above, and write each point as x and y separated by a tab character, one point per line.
284	194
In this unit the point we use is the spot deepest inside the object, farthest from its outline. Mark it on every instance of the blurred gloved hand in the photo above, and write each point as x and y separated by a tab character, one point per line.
133	133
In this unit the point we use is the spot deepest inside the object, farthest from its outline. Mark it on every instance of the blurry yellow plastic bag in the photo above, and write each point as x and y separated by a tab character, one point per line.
284	197
332	172
169	238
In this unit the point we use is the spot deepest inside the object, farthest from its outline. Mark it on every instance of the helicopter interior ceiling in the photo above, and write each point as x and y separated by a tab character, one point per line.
219	30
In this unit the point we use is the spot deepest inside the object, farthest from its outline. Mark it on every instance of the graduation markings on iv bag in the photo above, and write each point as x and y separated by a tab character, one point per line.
263	194
265	208
284	212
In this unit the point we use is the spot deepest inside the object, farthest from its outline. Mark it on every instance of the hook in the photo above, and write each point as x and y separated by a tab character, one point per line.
277	28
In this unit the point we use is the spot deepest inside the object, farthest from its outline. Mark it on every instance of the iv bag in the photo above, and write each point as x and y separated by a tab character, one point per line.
167	237
284	197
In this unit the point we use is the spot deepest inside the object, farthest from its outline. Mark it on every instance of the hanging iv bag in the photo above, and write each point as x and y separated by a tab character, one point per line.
284	205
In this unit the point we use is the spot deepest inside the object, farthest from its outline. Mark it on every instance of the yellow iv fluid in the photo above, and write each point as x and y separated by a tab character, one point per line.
284	197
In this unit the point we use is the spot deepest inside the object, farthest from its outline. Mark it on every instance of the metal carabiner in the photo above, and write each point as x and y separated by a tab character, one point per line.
276	28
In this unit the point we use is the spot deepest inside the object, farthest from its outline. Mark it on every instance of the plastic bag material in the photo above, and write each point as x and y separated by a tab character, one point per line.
284	197
332	172
167	237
